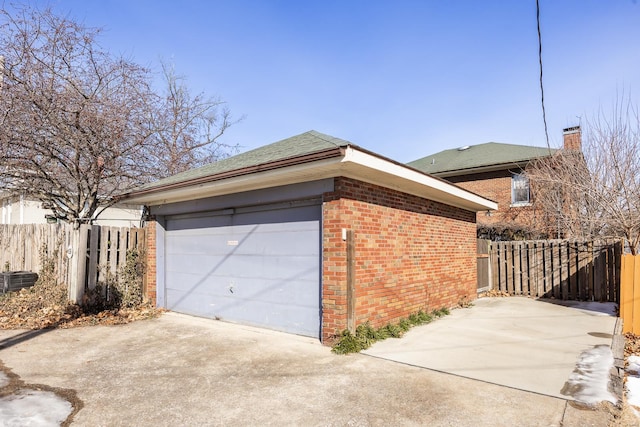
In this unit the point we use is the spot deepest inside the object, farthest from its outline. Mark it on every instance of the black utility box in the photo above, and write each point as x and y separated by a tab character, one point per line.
11	281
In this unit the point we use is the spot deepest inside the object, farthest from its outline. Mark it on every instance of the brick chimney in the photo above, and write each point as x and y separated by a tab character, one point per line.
572	138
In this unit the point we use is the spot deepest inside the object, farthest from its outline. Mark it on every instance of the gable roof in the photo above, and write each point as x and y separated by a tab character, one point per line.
307	157
479	158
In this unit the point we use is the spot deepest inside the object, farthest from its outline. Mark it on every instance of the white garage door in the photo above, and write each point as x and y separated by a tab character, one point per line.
257	266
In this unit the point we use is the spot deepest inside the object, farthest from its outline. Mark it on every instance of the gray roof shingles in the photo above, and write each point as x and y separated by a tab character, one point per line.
299	145
478	156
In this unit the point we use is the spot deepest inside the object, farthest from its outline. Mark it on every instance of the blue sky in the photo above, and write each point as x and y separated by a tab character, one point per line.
402	78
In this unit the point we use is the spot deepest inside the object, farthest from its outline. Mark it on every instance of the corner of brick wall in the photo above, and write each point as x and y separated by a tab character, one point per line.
411	254
334	271
151	270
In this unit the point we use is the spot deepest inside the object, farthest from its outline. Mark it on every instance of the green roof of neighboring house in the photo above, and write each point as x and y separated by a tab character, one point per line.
492	155
306	143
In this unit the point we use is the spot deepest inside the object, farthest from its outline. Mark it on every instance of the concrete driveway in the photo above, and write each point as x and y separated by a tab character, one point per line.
181	370
517	342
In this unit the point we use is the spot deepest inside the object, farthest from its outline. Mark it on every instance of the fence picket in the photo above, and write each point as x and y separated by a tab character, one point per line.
541	259
509	267
547	266
527	272
112	251
502	266
617	259
122	247
517	269
494	267
93	257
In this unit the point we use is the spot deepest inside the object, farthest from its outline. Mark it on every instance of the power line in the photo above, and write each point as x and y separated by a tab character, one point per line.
544	113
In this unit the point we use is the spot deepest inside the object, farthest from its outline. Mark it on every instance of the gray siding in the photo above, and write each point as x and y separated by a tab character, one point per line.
301	191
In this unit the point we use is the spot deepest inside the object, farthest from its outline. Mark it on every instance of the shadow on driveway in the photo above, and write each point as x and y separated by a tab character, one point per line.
21	337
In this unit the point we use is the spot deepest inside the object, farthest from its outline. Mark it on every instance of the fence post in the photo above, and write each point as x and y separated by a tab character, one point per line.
78	263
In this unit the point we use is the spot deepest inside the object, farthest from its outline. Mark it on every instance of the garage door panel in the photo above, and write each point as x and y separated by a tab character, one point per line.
295	293
263	241
248	268
197	264
295	290
197	302
208	267
258	239
199	244
279	268
273	227
279	316
190	226
276	216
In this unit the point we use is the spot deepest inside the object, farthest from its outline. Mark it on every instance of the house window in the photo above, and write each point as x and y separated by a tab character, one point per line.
520	189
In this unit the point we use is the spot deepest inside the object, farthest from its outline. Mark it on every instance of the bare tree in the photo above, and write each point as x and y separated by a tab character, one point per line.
187	127
80	126
595	193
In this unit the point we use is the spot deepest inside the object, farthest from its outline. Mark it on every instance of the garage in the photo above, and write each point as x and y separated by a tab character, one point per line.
255	265
309	235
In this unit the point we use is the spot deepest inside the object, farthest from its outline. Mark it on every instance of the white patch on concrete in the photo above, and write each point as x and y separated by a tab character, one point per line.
632	384
4	379
633	391
34	408
589	382
633	367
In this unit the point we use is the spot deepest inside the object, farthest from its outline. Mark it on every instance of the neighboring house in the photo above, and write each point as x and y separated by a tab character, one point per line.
497	171
20	210
309	235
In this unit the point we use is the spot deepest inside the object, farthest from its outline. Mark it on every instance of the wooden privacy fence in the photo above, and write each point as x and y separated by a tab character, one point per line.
26	247
561	269
100	251
83	257
630	298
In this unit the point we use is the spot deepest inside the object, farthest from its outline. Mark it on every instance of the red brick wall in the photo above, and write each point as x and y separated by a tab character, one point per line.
572	138
411	254
496	186
150	272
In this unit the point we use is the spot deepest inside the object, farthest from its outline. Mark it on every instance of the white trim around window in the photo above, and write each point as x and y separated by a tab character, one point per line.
520	190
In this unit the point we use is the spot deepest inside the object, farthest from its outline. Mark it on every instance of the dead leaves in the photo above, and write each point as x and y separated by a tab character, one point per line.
493	293
631	345
45	306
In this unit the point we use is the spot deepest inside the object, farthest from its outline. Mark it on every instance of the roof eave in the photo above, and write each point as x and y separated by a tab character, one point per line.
350	162
149	194
482	169
378	170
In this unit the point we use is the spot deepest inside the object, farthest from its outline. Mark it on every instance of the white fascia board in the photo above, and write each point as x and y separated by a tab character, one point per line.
411	181
303	172
354	164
